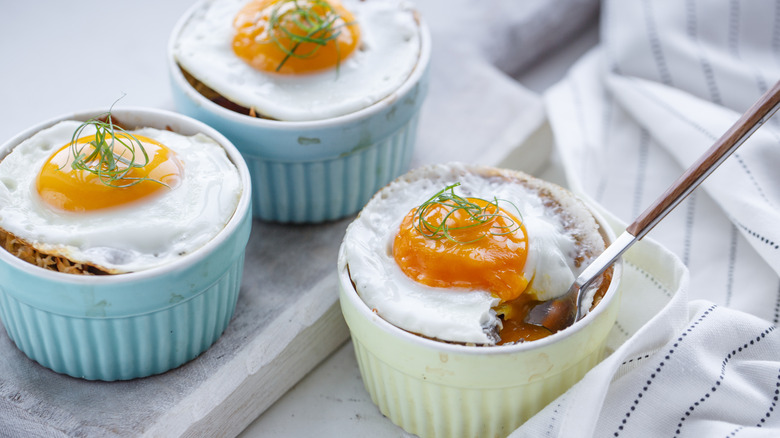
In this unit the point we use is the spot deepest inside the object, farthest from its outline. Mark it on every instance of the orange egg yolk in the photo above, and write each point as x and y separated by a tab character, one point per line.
294	37
484	254
76	190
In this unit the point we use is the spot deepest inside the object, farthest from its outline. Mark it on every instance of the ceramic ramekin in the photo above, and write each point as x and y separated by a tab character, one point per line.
308	172
119	327
435	389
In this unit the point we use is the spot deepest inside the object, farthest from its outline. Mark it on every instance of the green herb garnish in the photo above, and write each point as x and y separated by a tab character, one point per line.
477	216
317	27
111	167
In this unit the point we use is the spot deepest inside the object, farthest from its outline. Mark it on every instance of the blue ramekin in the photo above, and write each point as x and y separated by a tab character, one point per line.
309	172
119	327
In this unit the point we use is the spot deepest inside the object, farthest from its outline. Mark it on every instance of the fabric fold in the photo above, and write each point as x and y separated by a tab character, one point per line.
745	185
695	347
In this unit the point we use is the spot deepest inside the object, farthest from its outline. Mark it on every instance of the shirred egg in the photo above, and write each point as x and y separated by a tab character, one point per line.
530	241
186	194
259	54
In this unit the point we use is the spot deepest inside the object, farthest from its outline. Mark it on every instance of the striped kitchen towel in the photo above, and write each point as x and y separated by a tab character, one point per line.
695	351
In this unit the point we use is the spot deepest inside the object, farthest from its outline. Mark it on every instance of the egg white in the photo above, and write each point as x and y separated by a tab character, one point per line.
451	314
383	60
148	233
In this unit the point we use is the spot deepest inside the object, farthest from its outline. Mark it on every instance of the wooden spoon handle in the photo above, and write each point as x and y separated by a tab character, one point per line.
751	120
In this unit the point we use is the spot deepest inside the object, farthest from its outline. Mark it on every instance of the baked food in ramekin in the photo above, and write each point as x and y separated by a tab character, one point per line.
128	325
433	385
308	168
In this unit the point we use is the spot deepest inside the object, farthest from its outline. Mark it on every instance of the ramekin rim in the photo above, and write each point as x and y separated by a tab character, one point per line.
230	228
348	290
414	78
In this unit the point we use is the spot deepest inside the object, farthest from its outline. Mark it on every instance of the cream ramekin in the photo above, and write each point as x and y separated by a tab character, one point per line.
437	389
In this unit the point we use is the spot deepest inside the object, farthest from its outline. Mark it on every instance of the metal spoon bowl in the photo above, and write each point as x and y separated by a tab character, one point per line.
559	313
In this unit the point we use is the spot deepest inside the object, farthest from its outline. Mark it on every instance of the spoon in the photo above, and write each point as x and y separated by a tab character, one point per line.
559	313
